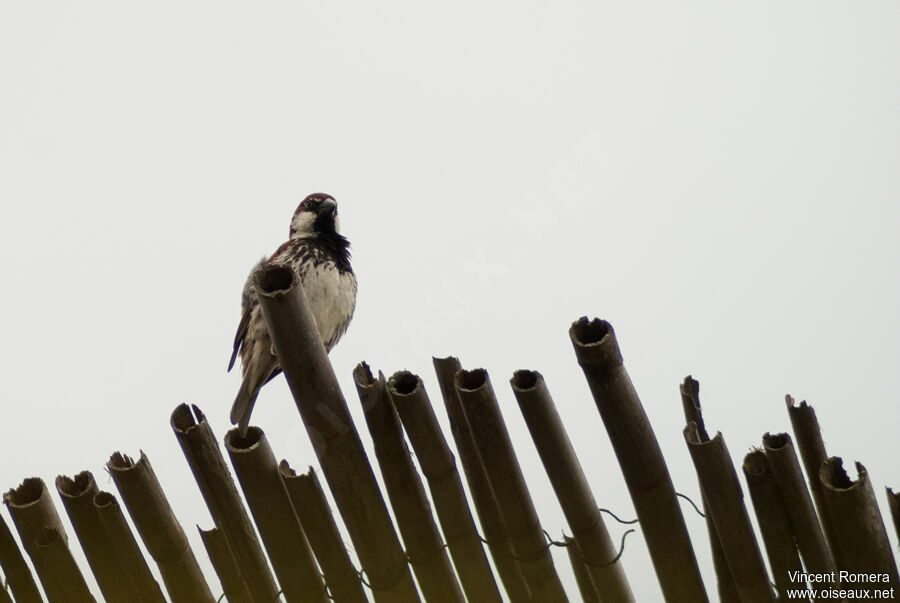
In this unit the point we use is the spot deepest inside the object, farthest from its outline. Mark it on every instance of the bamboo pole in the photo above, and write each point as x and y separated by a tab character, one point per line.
335	439
44	539
861	533
571	487
489	513
424	546
690	402
785	467
583	579
640	459
77	495
18	575
280	530
894	504
439	467
722	492
812	451
122	542
201	450
774	522
505	477
225	566
318	523
159	529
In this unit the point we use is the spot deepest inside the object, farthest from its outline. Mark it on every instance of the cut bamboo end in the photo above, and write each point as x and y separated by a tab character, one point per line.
495	450
45	541
439	467
724	498
861	532
814	550
204	457
595	343
159	529
774	522
596	550
640	459
318	523
285	542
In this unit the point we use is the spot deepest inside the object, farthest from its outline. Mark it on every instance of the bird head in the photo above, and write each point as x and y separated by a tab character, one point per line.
316	214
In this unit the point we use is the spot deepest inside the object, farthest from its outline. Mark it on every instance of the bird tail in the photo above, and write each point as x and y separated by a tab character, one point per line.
243	405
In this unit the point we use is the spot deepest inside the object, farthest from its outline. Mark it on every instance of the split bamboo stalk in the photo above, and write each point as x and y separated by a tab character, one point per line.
126	548
424	547
44	539
18	575
529	544
583	579
807	530
159	529
308	499
774	522
226	568
722	492
439	467
78	500
690	402
640	459
335	439
812	451
571	486
280	530
201	450
894	504
861	533
489	513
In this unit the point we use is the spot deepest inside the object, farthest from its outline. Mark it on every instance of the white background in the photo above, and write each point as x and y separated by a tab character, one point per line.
718	180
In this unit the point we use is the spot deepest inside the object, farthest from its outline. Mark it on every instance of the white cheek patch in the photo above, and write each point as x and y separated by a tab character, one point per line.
303	222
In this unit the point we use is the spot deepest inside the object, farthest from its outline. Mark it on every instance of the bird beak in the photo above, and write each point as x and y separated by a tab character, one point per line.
327	207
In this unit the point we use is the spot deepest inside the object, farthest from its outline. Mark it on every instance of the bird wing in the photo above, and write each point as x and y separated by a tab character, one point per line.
239	336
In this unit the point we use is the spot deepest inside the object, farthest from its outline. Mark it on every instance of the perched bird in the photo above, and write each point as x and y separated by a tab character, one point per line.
320	256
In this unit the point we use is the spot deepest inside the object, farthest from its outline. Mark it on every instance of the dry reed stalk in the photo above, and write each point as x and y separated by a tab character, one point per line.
690	402
774	522
77	496
159	529
122	542
225	566
640	459
286	544
722	492
894	504
335	439
439	467
495	449
16	571
571	487
44	539
812	451
489	513
805	524
201	450
583	580
424	546
861	533
308	498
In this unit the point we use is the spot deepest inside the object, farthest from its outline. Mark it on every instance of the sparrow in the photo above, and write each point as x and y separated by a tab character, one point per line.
320	256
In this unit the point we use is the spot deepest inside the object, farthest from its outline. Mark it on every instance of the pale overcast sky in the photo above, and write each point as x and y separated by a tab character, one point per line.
718	180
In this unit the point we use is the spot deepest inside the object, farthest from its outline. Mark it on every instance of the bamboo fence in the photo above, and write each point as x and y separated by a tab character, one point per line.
440	534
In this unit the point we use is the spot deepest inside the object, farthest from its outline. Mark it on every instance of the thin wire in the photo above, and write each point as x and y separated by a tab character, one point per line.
693	504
